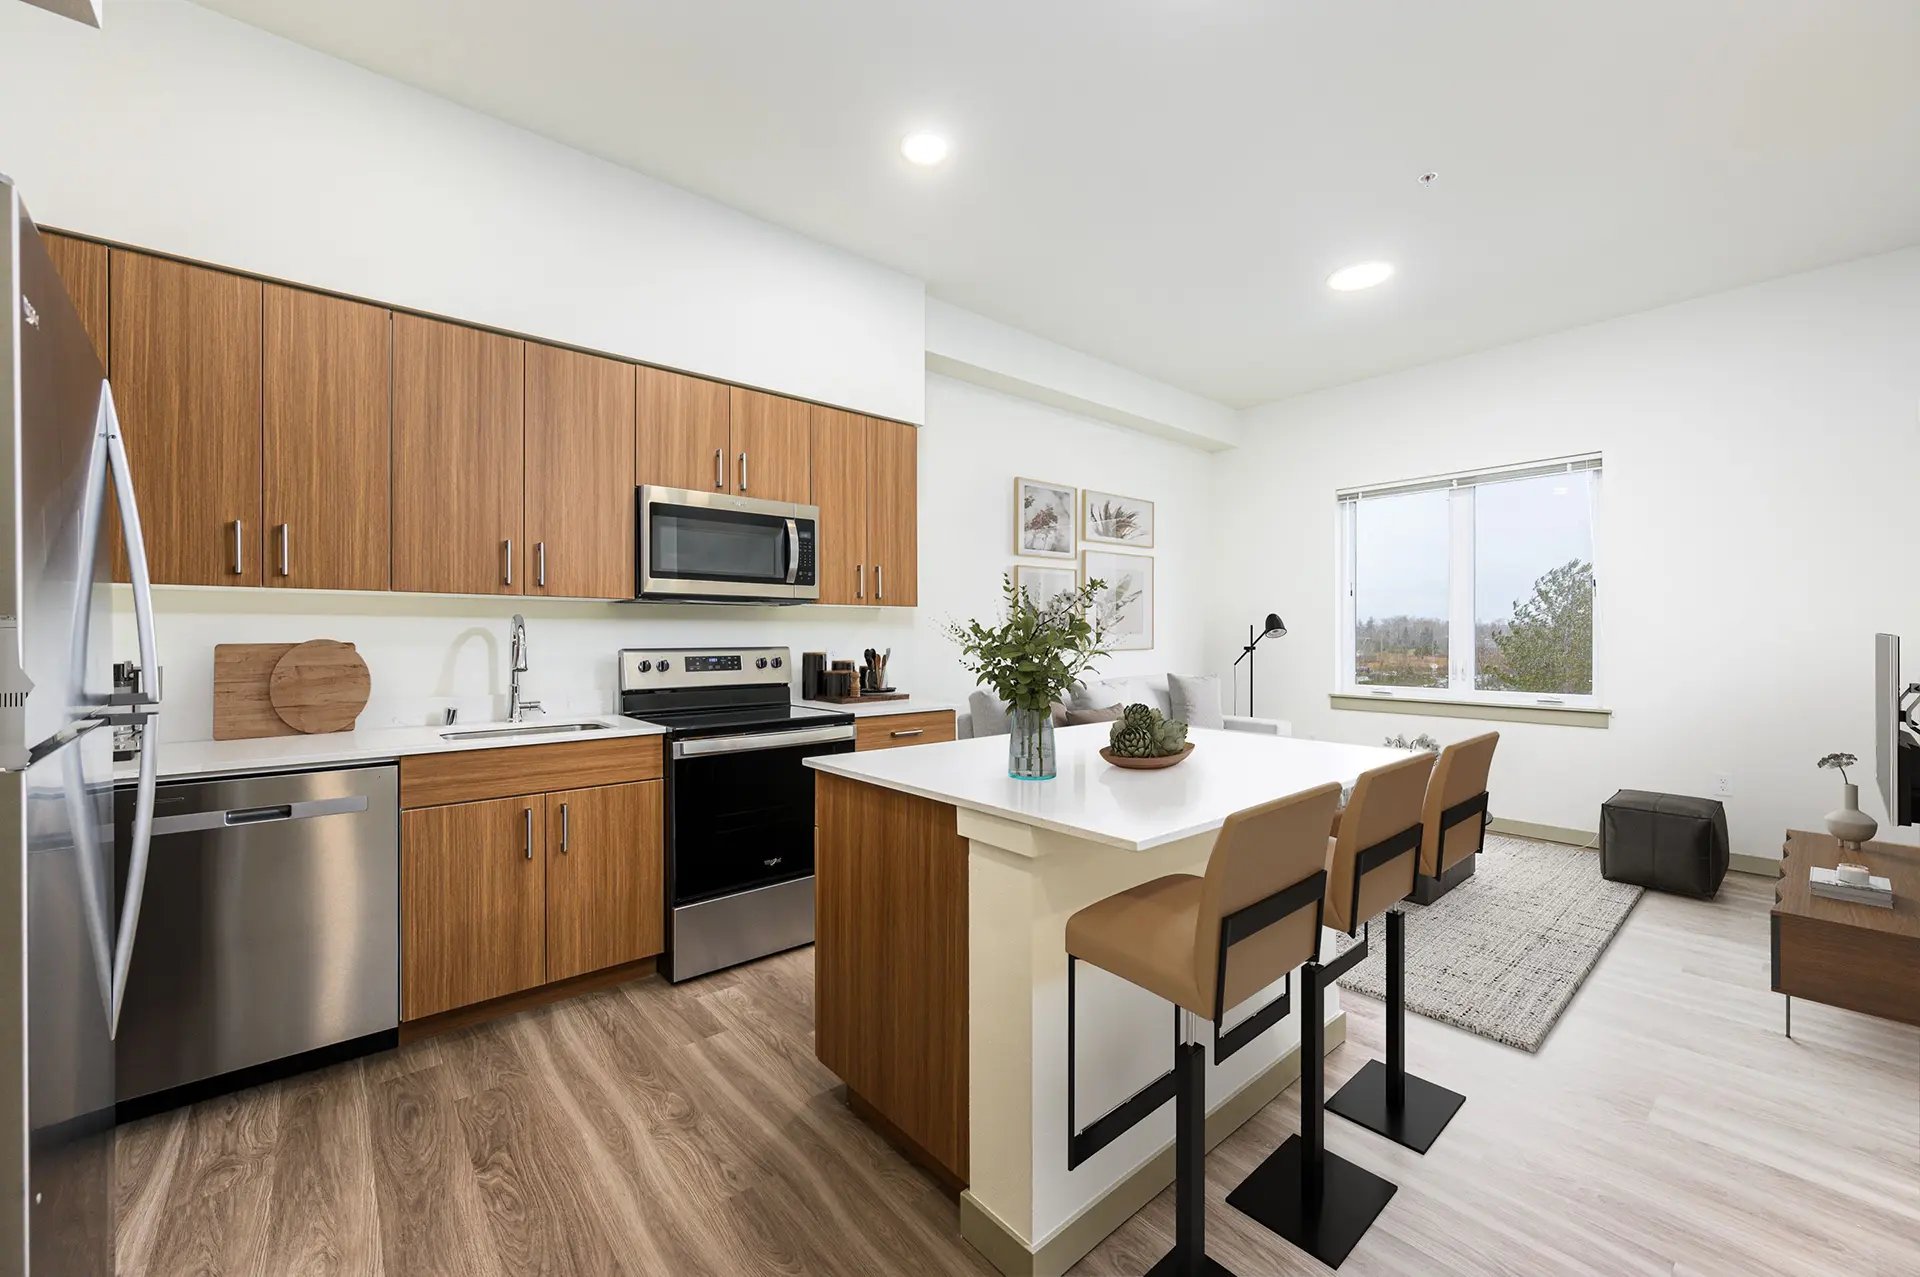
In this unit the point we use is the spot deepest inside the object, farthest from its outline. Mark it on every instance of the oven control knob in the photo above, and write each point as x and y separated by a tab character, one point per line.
664	666
645	666
777	662
760	664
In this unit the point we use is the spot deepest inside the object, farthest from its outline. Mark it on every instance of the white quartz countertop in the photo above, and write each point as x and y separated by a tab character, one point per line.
182	759
1092	799
878	709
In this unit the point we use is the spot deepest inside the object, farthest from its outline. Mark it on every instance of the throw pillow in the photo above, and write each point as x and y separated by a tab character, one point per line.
1196	699
1078	717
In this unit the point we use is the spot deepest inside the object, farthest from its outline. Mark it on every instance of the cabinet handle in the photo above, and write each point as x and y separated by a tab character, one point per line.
563	828
509	560
239	558
912	731
859	580
286	549
540	561
719	468
743	472
527	836
879	583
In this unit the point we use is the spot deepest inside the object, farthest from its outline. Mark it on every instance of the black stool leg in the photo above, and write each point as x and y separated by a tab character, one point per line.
1188	1258
1385	1098
1320	1202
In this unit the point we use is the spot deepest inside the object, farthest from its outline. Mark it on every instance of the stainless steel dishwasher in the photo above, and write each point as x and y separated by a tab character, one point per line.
269	936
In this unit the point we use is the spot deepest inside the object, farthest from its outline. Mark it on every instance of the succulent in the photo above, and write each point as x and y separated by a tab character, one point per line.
1142	731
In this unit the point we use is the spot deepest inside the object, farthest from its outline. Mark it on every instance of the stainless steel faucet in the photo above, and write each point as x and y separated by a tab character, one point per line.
517	708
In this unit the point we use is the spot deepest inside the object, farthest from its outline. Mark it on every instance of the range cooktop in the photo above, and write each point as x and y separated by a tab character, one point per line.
715	690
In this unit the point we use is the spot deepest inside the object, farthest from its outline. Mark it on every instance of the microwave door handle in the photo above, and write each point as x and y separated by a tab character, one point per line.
142	845
793	551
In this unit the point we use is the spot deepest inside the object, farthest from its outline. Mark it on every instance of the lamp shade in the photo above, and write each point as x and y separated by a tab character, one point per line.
1275	626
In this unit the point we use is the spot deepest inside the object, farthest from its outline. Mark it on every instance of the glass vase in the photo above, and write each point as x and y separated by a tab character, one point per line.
1030	744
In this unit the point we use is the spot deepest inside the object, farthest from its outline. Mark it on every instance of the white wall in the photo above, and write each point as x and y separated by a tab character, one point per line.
428	652
181	130
1761	452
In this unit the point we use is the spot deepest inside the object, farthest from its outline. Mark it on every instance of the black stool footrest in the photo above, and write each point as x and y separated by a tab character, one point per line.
1424	1111
1350	1199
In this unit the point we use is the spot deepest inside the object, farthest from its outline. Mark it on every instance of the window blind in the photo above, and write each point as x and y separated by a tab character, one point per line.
1468	478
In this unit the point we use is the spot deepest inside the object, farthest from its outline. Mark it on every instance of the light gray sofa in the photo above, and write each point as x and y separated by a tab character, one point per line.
1142	689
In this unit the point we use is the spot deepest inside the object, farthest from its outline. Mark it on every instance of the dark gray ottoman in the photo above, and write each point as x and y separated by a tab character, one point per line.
1664	841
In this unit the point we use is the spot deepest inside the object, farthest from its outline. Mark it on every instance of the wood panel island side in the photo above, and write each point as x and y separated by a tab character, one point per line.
942	895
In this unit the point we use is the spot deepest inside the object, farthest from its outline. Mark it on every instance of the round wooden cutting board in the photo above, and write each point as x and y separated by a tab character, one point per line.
320	686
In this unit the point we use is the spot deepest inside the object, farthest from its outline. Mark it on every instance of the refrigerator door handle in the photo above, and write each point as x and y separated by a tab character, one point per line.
137	854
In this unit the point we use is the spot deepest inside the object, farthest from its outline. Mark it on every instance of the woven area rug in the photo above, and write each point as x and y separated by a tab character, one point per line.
1503	953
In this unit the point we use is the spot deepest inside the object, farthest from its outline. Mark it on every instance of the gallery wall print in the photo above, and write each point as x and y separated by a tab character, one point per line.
1111	519
1124	606
1043	518
1043	585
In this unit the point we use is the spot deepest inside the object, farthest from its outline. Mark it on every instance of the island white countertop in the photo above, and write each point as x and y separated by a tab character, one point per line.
1092	799
879	709
183	759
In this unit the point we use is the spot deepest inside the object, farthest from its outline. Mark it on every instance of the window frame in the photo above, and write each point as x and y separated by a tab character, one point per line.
1462	658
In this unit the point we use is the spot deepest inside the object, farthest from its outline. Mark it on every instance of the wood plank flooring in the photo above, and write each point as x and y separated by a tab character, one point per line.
1666	1127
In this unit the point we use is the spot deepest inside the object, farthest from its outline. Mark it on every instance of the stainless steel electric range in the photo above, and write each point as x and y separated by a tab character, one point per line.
739	798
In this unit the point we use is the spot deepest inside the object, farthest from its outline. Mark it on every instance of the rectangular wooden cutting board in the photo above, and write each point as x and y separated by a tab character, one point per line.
242	701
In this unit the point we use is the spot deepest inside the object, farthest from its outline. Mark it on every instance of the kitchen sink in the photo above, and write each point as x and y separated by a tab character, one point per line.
524	729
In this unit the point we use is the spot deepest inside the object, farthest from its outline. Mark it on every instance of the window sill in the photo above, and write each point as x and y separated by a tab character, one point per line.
1434	707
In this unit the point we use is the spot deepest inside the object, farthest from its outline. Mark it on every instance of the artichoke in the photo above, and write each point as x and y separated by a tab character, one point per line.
1139	716
1169	736
1131	742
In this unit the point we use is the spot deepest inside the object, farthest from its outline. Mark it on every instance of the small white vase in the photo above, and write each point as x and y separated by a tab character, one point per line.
1848	823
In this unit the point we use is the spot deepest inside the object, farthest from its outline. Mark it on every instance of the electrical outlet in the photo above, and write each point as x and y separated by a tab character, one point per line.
1723	786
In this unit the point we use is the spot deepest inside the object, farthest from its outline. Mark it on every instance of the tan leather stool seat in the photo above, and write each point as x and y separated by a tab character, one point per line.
1144	935
1458	774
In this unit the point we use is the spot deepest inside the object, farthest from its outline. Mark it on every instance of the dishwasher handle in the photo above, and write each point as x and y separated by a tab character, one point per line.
239	816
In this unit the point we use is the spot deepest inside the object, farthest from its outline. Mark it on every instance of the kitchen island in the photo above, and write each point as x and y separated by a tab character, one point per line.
943	892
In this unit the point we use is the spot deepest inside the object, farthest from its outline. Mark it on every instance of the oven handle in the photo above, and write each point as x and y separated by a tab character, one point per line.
707	745
793	551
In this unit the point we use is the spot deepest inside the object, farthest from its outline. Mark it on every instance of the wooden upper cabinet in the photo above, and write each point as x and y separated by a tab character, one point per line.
83	269
685	432
772	447
580	423
472	903
458	459
185	367
893	513
326	386
840	490
606	901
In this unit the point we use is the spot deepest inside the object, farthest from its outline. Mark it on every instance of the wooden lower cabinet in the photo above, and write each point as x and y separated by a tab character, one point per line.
605	877
472	902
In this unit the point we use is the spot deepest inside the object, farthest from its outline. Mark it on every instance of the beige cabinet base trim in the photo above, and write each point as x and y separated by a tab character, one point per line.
1412	707
1765	866
1079	1235
1545	833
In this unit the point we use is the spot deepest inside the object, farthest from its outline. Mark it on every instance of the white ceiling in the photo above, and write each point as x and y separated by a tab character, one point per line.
1167	183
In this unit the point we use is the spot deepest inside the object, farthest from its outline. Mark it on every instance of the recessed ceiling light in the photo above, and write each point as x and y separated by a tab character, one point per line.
924	148
1359	275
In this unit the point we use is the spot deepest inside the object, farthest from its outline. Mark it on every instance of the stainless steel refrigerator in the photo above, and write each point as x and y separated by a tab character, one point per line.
63	950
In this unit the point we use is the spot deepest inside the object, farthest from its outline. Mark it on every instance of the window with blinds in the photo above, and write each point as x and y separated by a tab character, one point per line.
1480	585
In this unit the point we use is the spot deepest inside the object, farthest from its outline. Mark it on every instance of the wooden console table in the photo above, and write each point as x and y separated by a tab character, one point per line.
1860	957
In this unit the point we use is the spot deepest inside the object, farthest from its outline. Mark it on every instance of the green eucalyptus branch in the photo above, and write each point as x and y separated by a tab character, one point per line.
1035	654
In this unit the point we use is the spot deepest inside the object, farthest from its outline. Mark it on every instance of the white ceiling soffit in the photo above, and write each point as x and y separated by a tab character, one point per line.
1166	184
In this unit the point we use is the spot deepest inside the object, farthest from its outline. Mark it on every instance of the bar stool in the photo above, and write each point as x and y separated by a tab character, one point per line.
1319	1201
1261	899
1455	819
1371	865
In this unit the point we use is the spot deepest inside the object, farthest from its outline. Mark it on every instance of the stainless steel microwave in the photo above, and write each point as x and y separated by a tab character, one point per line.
715	545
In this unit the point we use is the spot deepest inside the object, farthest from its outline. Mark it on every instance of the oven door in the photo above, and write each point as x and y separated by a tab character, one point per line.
717	546
740	810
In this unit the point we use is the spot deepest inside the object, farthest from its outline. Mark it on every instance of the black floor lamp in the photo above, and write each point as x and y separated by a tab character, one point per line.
1275	628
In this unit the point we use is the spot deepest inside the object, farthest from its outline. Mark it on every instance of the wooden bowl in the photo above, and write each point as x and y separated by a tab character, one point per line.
1146	764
